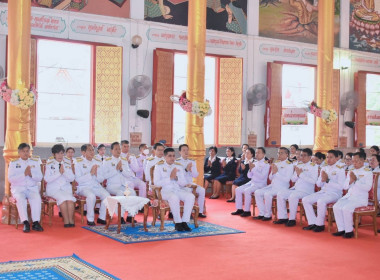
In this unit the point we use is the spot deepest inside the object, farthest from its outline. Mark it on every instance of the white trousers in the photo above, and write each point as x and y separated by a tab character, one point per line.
293	196
136	183
91	194
246	189
201	196
33	196
322	199
343	212
174	199
264	198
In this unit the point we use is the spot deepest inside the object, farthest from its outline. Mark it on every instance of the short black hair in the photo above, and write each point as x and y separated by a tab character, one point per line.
57	148
252	150
84	147
158	144
333	152
262	149
321	155
142	145
182	145
377	158
350	154
360	155
232	149
114	144
361	150
70	148
168	150
23	145
213	148
122	142
244	145
285	149
101	146
308	151
295	146
376	148
340	153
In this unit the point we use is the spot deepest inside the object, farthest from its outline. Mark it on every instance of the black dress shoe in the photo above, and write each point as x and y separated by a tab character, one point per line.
238	212
201	215
100	221
96	211
60	214
91	224
84	213
290	223
72	225
129	220
280	221
26	228
141	211
265	219
37	227
319	228
179	227
67	225
339	233
246	214
214	197
122	221
185	226
348	234
258	217
231	200
170	216
309	227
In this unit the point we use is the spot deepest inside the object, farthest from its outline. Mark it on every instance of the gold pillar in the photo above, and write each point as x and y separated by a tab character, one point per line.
18	72
196	47
323	133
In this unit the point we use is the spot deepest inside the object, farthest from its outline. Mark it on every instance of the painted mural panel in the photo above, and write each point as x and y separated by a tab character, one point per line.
115	8
294	20
365	25
222	15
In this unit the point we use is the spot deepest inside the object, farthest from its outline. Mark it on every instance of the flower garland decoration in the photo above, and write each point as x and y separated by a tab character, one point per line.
329	116
21	97
201	109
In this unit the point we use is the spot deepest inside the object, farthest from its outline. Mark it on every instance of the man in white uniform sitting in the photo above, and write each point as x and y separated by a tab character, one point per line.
170	176
331	180
24	174
358	182
89	176
190	173
305	176
158	149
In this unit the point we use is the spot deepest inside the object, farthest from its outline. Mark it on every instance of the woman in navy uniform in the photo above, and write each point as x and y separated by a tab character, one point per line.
243	170
212	168
229	172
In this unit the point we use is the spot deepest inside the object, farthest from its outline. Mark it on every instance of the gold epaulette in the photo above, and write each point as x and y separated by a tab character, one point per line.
138	156
288	162
178	158
35	159
79	159
191	159
51	157
35	156
312	164
266	161
340	166
132	155
107	159
367	169
160	162
178	163
49	162
151	158
15	159
66	157
123	158
97	159
68	163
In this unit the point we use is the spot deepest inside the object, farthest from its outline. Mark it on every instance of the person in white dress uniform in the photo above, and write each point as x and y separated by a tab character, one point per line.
132	161
170	175
151	161
24	174
375	165
331	180
258	173
280	176
101	153
89	176
348	161
58	176
305	176
191	172
144	152
358	182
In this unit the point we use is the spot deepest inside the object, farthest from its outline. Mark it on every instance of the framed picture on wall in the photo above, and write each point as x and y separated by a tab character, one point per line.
118	2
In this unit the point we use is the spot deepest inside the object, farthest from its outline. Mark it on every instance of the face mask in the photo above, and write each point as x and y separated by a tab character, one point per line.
146	152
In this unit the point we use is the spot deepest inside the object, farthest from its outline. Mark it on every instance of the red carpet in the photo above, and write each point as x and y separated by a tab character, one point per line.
265	251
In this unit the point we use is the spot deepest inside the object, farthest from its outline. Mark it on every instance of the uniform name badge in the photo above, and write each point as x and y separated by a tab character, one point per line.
84	166
18	165
164	169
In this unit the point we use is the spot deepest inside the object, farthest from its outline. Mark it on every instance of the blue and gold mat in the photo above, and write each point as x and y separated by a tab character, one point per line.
128	234
54	268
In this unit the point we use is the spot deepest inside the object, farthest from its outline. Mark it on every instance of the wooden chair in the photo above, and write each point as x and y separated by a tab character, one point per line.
370	210
254	198
227	186
81	201
161	206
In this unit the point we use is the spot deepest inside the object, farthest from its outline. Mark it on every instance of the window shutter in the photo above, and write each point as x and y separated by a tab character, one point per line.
335	105
108	91
273	111
33	70
162	107
361	110
229	102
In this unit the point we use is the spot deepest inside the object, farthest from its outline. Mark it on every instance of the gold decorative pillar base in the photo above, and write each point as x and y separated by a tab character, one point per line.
195	81
323	133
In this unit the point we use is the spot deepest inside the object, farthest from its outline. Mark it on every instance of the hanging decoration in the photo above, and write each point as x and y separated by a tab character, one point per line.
329	116
20	97
201	109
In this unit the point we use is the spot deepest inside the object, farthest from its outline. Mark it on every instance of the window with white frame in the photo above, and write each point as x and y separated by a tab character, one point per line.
373	110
